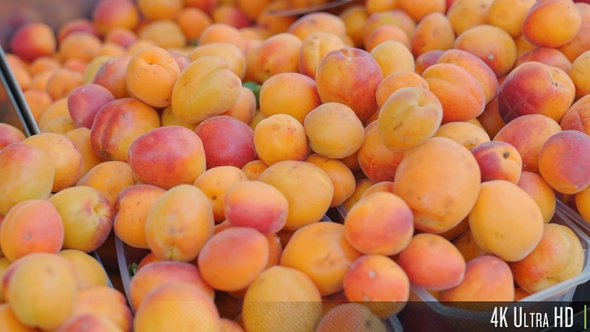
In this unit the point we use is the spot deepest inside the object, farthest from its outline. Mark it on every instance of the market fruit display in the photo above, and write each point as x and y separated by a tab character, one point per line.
299	171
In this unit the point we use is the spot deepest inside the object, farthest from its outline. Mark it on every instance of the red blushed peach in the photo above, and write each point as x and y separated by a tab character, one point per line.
376	160
110	14
559	256
26	172
10	134
85	101
432	262
551	23
527	134
564	160
275	55
498	160
380	223
33	40
167	156
535	88
118	123
87	215
426	60
227	141
350	76
256	204
577	116
549	56
111	75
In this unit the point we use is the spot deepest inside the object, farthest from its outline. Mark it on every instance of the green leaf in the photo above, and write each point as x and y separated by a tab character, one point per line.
255	87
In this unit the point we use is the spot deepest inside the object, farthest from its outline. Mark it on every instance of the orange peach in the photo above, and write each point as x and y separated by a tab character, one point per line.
376	160
215	182
170	213
354	18
109	177
519	229
549	56
540	191
58	108
81	138
254	168
221	32
467	246
159	9
576	117
341	175
85	101
527	134
280	137
498	160
386	33
466	14
193	21
245	108
313	49
235	58
166	34
320	21
79	46
88	270
350	76
551	23
408	117
110	14
509	15
62	81
389	49
433	32
277	54
396	81
535	88
38	101
579	44
397	17
33	40
576	73
230	14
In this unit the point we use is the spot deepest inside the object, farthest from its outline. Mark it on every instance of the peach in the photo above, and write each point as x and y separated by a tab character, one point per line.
551	23
27	172
350	76
281	296
353	316
487	278
505	220
509	15
440	181
9	322
151	74
217	89
88	270
576	117
397	81
31	226
280	137
110	14
277	54
233	258
578	45
408	117
65	157
243	206
33	40
432	262
159	273
462	96
293	94
85	101
559	256
307	249
42	290
341	175
383	53
535	88
10	134
233	55
81	138
170	213
491	44
88	322
111	75
226	141
477	67
498	160
376	160
527	134
86	214
563	159
118	123
109	177
319	21
426	60
313	49
333	130
466	14
433	32
549	56
131	208
307	187
380	223
576	73
540	191
173	306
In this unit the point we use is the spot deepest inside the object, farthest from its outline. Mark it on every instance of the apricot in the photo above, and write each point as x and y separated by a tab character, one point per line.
79	45
563	161
527	134
376	160
89	322
31	226
110	14
578	45
396	16
307	187
280	137
498	160
361	186
42	290
551	23
88	270
341	176
166	34
277	54
153	161
397	81
109	177
38	101
281	296
245	108
215	182
293	94
206	87
320	21
193	21
547	90
540	191
235	58
430	253
180	306
465	133
33	40
307	249
386	186
111	75
467	245
354	18
160	9
423	180
27	172
461	95
158	273
549	56
313	49
576	116
487	278
9	322
409	117
512	230
383	52
175	232
426	60
433	32
85	101
350	317
509	15
62	81
466	14
387	33
222	32
576	74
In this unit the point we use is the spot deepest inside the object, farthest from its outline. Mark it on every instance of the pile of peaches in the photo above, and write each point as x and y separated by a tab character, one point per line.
294	171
